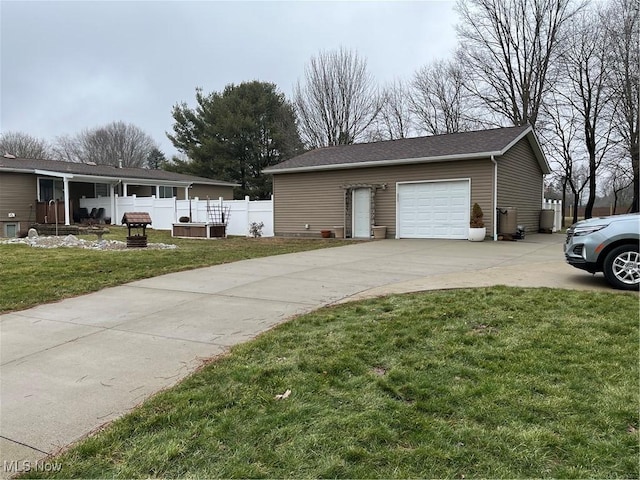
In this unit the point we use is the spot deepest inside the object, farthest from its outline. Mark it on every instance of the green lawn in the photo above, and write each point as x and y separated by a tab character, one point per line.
494	383
31	276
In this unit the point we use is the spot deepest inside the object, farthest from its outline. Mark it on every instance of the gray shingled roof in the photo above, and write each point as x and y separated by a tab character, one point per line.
30	165
452	146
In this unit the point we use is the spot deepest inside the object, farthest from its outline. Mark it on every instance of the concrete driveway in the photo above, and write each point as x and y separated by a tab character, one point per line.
69	367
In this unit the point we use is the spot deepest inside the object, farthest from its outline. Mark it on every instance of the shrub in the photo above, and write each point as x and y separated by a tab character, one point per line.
255	229
476	217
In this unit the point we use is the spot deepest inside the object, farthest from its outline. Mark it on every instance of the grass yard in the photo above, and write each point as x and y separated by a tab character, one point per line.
32	276
494	383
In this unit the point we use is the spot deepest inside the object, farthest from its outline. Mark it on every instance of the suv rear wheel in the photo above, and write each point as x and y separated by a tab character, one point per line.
621	267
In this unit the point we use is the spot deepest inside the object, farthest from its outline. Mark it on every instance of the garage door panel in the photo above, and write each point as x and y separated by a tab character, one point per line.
434	209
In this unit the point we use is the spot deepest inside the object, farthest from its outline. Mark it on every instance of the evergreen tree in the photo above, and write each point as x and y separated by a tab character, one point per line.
156	159
235	134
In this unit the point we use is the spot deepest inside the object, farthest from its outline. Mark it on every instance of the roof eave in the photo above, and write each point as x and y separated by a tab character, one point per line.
384	163
537	150
112	178
217	184
51	173
16	170
535	146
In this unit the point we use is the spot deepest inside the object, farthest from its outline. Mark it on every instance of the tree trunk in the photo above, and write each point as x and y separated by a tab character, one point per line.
635	206
588	210
564	203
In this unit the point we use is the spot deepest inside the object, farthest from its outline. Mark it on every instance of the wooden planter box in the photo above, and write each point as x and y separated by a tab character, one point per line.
198	230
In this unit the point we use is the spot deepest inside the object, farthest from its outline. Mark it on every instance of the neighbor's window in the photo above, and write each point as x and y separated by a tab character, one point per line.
168	192
50	189
102	190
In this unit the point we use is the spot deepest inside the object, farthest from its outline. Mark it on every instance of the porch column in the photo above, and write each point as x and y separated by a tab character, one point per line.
157	191
124	190
67	216
186	193
112	196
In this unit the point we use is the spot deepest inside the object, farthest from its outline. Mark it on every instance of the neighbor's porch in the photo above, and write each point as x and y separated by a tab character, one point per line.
66	199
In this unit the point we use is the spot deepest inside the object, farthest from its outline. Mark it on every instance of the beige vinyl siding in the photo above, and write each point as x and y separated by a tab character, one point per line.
317	198
140	190
520	184
212	191
18	194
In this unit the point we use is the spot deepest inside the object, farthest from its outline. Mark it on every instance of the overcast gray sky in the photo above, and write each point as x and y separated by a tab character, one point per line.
70	65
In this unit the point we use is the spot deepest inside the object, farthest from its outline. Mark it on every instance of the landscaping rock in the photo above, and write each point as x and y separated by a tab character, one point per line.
71	241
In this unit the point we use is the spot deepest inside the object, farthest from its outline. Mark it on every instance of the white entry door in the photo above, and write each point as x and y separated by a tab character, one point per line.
434	209
361	201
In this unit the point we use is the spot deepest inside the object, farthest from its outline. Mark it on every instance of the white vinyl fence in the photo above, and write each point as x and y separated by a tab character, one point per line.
239	214
556	206
164	212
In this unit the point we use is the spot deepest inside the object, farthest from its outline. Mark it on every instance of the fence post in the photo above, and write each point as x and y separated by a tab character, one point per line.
247	206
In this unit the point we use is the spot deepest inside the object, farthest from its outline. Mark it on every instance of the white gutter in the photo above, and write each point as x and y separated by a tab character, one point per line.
132	181
383	163
78	177
49	173
495	198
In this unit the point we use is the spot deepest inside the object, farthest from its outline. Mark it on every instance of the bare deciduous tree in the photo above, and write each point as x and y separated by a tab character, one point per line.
562	142
395	119
68	148
508	47
584	68
622	26
618	182
107	145
23	145
438	99
338	101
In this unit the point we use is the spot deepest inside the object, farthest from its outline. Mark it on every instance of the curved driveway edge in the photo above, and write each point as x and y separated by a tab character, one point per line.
69	367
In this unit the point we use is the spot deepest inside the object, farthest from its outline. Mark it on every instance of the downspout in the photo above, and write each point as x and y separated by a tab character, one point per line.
495	198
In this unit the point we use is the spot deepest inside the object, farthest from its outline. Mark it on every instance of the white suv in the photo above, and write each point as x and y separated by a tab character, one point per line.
608	245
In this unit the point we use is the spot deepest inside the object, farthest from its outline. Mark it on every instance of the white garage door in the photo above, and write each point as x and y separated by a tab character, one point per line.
434	209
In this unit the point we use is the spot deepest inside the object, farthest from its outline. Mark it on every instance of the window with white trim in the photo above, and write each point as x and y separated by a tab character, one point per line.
102	190
50	189
167	192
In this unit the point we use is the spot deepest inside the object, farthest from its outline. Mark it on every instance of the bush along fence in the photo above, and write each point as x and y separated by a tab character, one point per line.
238	215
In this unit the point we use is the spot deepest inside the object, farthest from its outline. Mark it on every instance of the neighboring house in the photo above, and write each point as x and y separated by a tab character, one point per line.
417	187
28	185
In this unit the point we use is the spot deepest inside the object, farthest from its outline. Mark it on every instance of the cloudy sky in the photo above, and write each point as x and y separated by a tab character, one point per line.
70	65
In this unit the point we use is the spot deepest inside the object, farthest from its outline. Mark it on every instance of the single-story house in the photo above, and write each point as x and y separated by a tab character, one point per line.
28	185
420	187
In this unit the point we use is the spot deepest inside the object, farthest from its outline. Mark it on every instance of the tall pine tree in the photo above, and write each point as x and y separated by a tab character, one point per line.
235	134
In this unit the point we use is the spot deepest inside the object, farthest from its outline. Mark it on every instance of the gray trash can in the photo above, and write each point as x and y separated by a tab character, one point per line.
546	221
507	220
